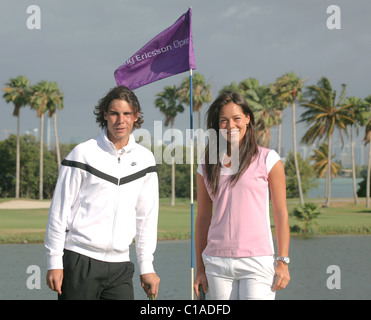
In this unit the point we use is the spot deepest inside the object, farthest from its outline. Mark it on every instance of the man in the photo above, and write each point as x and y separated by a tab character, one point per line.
106	194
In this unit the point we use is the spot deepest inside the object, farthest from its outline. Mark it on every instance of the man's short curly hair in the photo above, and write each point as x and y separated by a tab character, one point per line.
120	93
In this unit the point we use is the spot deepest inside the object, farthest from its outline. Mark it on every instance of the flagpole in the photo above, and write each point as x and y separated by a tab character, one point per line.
191	173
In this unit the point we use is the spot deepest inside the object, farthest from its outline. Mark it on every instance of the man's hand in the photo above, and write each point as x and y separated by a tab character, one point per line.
150	284
54	280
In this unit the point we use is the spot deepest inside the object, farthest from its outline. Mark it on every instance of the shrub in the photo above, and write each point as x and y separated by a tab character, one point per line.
306	214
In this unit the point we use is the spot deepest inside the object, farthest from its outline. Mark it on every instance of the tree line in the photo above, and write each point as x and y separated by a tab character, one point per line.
325	112
29	167
42	97
29	171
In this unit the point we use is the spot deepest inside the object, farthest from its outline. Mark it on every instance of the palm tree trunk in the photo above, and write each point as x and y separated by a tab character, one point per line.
353	167
329	164
18	157
41	157
172	171
296	157
56	141
199	126
368	176
279	139
199	118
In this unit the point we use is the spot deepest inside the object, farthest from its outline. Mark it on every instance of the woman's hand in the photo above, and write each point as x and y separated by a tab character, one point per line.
200	279
282	276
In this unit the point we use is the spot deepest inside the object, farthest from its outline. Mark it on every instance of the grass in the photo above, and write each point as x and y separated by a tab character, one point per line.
174	221
22	225
343	217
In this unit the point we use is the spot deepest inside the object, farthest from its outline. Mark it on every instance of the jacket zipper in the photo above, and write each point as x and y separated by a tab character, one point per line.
115	213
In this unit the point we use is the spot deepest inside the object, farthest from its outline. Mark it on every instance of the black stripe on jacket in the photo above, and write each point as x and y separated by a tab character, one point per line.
104	176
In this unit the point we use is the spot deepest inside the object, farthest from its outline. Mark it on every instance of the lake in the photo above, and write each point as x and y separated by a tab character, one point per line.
309	271
340	188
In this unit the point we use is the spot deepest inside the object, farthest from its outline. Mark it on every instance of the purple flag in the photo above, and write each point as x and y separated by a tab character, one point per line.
169	53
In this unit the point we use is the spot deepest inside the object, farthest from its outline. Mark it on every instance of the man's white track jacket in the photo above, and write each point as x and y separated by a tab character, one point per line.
102	201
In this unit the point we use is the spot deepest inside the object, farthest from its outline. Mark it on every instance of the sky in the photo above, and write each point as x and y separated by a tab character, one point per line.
81	43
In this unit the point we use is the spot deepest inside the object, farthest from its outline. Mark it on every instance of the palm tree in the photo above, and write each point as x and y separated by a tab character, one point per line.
17	91
55	103
45	96
169	105
323	115
249	89
280	106
286	89
320	158
367	139
359	112
201	93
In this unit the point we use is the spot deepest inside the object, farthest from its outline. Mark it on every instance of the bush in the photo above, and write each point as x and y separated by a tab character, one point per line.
361	192
306	215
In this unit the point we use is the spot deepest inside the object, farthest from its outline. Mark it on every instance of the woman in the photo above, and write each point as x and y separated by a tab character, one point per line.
234	246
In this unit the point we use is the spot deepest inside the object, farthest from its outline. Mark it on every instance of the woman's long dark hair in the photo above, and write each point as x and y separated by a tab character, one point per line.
248	148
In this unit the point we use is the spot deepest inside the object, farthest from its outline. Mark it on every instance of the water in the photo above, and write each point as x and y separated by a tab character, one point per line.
308	269
340	188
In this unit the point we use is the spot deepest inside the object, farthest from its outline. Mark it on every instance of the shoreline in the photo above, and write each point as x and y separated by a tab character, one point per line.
45	204
40	239
179	230
298	237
